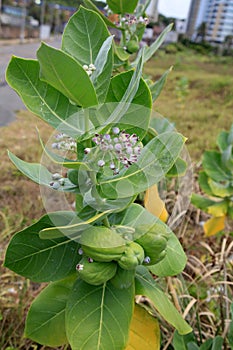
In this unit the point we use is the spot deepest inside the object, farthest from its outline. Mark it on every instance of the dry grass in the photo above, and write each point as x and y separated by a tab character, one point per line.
204	290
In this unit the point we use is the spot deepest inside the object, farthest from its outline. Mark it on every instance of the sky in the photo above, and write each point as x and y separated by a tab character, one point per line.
174	8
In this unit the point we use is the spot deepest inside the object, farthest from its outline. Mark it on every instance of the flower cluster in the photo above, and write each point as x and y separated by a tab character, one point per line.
64	142
116	148
57	181
130	20
89	69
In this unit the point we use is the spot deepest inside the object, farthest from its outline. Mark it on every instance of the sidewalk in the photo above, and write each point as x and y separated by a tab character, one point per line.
8	42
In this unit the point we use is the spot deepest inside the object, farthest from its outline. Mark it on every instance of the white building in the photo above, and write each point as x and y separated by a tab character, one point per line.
217	16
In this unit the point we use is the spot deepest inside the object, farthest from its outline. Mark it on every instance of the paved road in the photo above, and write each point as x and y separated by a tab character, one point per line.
9	100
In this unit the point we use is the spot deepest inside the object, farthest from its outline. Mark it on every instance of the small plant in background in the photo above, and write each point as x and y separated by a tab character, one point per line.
182	90
106	152
216	181
213	276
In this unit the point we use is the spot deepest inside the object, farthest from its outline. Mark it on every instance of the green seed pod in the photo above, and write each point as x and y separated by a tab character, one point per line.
94	272
123	278
132	46
154	246
132	256
104	254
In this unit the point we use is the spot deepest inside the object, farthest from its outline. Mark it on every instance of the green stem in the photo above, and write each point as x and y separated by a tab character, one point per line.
106	222
87	126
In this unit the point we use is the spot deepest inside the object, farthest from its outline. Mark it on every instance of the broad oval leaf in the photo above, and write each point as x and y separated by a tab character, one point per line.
146	285
203	182
39	97
156	159
144	331
222	140
42	260
220	189
214	168
99	317
84	35
45	323
89	5
66	75
122	6
137	105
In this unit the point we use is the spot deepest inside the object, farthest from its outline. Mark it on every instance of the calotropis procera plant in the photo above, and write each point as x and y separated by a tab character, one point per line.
98	257
216	181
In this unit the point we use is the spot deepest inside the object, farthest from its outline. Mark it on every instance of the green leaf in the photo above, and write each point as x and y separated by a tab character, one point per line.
201	202
174	261
178	168
144	331
84	36
120	53
102	75
122	6
230	136
207	344
161	124
89	5
180	342
43	260
213	166
146	285
217	343
66	75
192	346
98	317
45	323
157	87
220	189
222	140
203	182
150	50
119	110
73	230
156	159
230	331
40	174
135	221
139	102
227	157
39	97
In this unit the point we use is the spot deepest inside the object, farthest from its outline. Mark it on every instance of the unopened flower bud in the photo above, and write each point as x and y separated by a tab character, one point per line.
56	176
147	260
80	251
79	267
101	163
87	150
